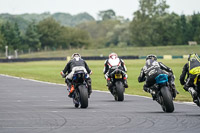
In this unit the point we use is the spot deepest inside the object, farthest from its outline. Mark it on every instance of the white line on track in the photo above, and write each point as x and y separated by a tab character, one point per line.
187	103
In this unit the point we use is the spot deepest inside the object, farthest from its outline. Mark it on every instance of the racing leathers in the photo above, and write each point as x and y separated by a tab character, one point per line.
151	70
189	77
190	71
73	65
112	62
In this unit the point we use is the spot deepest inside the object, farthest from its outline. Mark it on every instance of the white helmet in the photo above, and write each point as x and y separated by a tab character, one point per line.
76	55
113	56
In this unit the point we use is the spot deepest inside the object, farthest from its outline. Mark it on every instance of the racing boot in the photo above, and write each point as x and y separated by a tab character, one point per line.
125	83
88	81
69	87
174	91
153	94
109	83
89	90
146	89
172	85
71	91
193	93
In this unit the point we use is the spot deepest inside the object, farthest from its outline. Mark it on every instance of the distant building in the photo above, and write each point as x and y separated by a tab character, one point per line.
191	43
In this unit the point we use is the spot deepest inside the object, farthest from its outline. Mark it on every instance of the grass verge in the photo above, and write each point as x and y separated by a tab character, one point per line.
138	51
50	71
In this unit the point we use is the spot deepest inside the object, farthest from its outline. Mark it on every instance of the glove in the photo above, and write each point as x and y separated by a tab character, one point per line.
90	73
182	82
62	74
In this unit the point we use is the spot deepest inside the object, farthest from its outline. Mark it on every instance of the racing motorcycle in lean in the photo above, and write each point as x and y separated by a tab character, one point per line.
117	88
80	94
162	93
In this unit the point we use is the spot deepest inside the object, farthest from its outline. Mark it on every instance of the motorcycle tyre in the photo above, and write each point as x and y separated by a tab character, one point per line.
83	96
119	96
168	105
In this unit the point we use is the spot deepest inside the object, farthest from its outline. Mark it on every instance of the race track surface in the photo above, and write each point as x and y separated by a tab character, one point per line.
34	107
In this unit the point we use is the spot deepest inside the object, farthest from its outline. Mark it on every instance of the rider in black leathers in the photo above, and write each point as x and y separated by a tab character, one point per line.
193	63
151	70
76	63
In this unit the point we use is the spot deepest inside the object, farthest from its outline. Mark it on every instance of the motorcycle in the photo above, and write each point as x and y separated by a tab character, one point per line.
162	93
80	94
117	89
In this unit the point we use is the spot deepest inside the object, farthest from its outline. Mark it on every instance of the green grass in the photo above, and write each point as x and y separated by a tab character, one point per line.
50	71
140	51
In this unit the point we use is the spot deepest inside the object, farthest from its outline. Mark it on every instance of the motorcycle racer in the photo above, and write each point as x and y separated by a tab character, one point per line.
152	69
76	63
191	69
112	61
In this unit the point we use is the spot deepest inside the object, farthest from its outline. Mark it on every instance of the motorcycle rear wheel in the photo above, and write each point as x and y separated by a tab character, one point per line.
119	96
83	96
168	105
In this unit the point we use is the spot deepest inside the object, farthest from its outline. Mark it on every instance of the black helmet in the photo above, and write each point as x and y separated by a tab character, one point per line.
76	55
192	56
151	56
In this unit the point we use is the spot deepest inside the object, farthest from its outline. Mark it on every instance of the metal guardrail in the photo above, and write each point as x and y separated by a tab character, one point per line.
31	59
88	58
62	58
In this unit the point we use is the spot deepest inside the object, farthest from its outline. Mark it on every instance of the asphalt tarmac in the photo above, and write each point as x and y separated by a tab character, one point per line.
35	107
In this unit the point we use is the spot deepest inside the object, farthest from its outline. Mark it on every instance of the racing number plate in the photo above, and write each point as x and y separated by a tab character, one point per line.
118	76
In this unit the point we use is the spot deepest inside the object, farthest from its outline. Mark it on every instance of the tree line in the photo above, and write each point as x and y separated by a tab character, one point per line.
152	25
48	34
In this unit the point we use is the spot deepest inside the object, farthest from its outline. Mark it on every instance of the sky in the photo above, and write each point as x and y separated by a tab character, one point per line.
121	7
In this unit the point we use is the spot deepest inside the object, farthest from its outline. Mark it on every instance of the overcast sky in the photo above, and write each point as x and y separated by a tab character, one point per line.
121	7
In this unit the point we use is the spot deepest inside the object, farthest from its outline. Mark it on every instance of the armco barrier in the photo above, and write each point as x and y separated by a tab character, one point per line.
176	57
144	57
63	58
105	57
88	58
31	59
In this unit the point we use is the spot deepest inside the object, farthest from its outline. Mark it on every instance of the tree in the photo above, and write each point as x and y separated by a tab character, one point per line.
50	30
107	14
11	34
143	28
73	38
151	8
184	29
16	37
170	30
79	38
104	28
32	37
2	42
119	35
194	24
